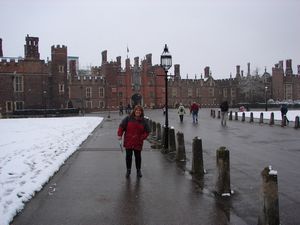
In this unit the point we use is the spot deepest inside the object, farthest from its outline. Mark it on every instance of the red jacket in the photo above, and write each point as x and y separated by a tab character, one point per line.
136	131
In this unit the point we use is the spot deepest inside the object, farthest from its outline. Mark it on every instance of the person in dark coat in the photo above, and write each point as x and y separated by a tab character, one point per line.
224	112
135	130
284	110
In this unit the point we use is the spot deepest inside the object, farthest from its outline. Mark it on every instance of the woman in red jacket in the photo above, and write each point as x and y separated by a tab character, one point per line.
135	130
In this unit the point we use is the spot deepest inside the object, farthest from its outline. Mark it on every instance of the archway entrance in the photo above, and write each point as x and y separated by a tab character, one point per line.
136	99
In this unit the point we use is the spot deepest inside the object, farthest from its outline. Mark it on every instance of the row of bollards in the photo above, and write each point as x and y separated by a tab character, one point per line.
269	204
251	118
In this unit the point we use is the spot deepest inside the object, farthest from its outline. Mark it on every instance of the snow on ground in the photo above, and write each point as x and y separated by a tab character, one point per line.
31	151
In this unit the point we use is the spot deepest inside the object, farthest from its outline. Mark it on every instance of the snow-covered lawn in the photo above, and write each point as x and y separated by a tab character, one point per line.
31	151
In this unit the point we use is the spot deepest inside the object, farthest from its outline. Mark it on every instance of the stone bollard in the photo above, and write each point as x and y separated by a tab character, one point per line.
214	113
251	117
261	118
197	161
283	121
230	115
271	119
243	117
158	132
297	122
172	141
236	116
153	129
219	114
269	212
180	153
223	177
150	125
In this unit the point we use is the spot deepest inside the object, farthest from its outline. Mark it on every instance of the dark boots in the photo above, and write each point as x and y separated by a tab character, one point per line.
139	173
128	173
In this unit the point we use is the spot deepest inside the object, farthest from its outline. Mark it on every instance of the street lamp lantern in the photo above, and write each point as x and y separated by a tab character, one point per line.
166	59
166	63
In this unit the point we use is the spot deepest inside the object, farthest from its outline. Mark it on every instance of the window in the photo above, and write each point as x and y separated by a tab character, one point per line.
61	89
225	92
18	84
89	104
101	104
19	105
233	92
152	94
61	69
198	92
88	92
288	91
9	106
120	82
120	94
101	92
212	92
174	92
190	92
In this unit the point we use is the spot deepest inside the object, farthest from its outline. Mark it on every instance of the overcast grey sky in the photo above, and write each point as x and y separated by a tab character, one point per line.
216	33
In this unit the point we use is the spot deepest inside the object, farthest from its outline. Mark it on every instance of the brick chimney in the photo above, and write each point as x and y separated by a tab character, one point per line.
288	67
177	70
104	57
248	69
1	52
238	73
206	72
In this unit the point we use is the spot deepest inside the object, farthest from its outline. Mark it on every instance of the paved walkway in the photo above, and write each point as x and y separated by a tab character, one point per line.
91	187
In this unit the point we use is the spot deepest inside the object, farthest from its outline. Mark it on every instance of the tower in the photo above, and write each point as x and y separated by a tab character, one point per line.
31	48
58	79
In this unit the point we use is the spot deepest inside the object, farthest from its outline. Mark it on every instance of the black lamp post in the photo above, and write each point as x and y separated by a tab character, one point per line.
166	63
266	100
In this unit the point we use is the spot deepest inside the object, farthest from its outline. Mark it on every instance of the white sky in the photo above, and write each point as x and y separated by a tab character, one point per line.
216	33
32	150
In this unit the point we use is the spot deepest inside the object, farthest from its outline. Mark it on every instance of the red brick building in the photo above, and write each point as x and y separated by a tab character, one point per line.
32	83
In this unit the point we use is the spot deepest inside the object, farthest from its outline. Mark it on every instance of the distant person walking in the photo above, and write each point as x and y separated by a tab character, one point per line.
284	110
121	109
128	109
224	112
135	130
194	111
181	112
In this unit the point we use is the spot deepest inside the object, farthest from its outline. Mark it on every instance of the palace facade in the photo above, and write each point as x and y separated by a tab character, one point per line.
32	83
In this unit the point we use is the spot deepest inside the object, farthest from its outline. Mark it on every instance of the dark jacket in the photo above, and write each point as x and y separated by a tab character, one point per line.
136	131
224	106
284	109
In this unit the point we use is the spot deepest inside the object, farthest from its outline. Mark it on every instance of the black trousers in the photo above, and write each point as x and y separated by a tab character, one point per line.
137	156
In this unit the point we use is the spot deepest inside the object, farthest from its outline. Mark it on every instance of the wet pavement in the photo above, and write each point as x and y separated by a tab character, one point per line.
91	187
